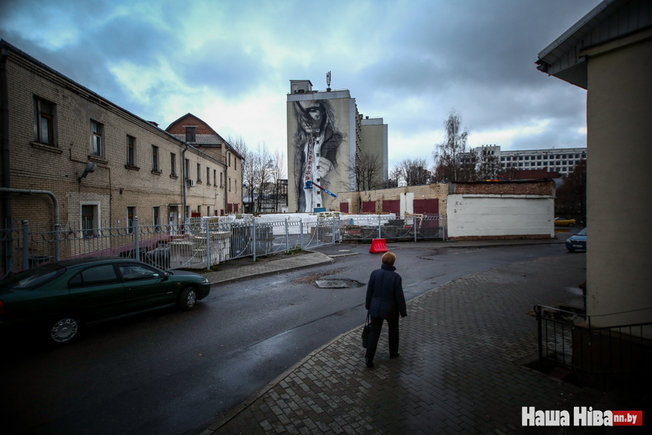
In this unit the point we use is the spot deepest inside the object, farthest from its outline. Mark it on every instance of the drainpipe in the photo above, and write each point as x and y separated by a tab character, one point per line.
226	182
57	226
184	177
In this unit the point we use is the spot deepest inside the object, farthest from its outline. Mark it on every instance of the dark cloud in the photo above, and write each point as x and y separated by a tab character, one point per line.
410	62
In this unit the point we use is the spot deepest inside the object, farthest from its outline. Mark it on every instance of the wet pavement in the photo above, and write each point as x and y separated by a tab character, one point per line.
465	349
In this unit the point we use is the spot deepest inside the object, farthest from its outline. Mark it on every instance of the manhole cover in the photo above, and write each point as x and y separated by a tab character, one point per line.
337	283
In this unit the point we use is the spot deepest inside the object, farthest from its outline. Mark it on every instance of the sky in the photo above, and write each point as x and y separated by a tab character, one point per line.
230	62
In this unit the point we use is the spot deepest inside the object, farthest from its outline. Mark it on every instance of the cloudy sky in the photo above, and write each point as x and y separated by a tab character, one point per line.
229	62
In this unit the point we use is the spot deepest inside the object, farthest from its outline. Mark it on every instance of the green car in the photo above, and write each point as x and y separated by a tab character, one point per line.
60	297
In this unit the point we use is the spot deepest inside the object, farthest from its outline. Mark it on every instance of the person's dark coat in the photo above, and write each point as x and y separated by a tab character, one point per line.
385	297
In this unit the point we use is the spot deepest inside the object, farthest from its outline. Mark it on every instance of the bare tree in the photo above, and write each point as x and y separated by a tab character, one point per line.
394	178
413	172
452	162
571	195
488	165
277	173
263	167
367	171
248	167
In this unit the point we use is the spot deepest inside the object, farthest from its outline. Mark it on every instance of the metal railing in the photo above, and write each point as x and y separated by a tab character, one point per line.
598	356
555	335
196	244
203	242
411	227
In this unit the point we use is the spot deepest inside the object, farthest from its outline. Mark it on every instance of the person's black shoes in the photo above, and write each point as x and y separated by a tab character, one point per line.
368	362
396	355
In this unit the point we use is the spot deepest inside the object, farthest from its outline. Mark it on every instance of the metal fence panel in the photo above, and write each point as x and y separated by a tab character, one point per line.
200	243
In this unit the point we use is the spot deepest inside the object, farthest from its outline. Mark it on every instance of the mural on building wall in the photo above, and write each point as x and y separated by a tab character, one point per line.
317	141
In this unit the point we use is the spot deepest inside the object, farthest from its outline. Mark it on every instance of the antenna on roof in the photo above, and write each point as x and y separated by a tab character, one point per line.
328	81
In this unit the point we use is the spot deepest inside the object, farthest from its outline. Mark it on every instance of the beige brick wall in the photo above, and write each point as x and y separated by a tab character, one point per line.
430	191
112	185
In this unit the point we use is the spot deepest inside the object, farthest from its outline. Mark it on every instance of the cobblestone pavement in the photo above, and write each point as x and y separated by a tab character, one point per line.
464	346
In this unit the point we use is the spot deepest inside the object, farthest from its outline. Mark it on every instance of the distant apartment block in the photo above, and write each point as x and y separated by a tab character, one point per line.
561	160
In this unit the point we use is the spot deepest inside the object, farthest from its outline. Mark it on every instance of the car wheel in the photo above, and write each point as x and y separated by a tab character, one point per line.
187	298
63	329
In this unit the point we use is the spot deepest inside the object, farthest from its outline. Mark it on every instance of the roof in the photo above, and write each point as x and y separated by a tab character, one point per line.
203	139
80	89
612	19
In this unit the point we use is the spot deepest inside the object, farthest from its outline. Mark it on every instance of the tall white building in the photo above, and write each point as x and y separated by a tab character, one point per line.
562	160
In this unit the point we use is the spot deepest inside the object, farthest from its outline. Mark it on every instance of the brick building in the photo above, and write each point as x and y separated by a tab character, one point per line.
194	131
101	164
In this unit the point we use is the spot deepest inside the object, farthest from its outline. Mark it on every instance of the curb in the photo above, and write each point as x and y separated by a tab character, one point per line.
258	274
230	414
227	416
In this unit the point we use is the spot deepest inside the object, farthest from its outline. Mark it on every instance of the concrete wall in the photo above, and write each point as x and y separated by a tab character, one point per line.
500	216
406	195
619	181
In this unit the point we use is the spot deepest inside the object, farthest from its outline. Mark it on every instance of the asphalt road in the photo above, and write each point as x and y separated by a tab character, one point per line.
172	372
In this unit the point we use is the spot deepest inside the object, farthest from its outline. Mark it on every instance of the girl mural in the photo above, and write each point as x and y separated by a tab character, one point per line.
317	141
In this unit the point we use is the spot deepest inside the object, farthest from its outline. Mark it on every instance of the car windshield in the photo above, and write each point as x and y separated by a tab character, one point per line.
32	278
582	232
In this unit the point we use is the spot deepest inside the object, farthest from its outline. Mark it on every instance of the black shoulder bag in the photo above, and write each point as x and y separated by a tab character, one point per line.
365	331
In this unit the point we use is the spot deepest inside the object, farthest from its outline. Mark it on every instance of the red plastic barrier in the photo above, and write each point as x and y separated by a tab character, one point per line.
377	246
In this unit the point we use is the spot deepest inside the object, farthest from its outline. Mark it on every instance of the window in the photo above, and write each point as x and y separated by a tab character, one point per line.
191	134
199	210
131	216
214	177
97	139
89	220
199	172
131	151
187	169
229	184
155	165
208	176
156	218
229	159
221	181
173	165
136	272
44	121
96	275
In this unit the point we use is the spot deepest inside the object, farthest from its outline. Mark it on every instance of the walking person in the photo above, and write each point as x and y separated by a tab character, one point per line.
385	301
